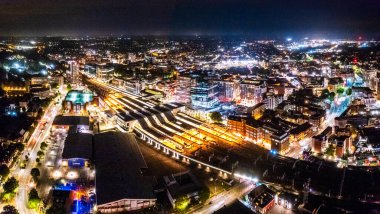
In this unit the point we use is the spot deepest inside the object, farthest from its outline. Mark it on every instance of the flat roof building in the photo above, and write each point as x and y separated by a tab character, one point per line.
77	150
120	183
81	122
77	100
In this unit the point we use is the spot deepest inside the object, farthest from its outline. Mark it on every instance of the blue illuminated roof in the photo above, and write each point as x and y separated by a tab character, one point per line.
79	97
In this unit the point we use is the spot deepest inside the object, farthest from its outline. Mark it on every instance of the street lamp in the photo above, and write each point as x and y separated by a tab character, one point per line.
72	175
57	174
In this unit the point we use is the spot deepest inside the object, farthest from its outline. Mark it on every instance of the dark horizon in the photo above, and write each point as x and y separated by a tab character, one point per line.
251	18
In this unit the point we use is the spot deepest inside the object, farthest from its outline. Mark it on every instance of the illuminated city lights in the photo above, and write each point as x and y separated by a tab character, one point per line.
249	112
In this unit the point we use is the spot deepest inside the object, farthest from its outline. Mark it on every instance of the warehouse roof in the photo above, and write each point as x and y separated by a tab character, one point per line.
119	166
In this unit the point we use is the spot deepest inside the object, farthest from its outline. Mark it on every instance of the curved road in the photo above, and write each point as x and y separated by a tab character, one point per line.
23	175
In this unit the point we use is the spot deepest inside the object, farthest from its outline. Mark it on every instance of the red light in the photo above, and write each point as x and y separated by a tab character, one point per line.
355	60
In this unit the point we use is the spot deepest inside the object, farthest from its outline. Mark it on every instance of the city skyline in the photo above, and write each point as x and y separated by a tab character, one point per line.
189	106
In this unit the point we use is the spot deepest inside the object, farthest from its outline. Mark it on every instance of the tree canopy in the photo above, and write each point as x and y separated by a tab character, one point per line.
35	172
340	91
330	150
4	170
216	117
33	199
10	185
9	209
348	91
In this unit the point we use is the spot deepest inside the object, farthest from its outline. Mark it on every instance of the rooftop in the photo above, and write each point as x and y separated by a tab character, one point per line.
71	120
182	183
78	145
261	196
119	169
236	207
77	96
301	128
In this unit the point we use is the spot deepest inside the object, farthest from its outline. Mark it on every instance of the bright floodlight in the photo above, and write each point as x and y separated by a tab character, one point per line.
32	184
289	39
57	174
16	65
72	175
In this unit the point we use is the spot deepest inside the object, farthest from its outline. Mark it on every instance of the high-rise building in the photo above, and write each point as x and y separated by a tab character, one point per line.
184	84
204	95
272	100
229	90
104	72
73	73
251	92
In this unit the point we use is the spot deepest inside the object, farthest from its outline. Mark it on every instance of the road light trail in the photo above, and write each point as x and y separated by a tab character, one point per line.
23	175
224	199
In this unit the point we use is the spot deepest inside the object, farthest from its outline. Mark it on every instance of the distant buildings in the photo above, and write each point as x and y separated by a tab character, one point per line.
319	142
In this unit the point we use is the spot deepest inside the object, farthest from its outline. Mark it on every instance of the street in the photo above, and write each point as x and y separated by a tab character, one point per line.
297	148
224	199
23	175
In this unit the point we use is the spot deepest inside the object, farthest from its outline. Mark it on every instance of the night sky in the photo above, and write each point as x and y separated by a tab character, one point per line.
262	18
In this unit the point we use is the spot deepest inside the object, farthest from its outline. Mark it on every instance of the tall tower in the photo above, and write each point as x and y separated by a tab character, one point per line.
73	73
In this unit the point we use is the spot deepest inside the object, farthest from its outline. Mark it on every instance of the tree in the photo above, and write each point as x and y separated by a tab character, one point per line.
69	87
20	147
204	194
325	93
4	170
182	203
54	85
331	96
340	91
40	153
43	145
9	209
216	117
330	150
2	92
10	185
348	91
35	172
40	112
33	199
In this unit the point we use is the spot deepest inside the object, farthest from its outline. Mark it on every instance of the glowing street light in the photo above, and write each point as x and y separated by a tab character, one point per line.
72	175
57	174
